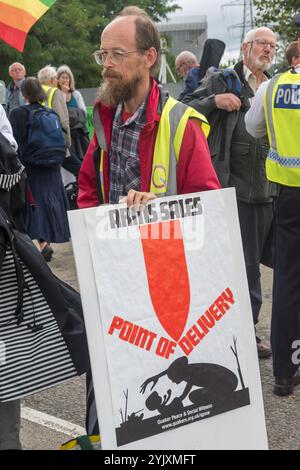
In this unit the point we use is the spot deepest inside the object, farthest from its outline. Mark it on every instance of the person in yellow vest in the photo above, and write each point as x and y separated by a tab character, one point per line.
276	112
146	144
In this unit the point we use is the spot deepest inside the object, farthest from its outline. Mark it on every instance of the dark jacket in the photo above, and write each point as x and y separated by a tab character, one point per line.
63	300
238	158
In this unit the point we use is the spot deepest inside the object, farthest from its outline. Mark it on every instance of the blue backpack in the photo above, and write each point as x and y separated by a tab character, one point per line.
231	78
45	145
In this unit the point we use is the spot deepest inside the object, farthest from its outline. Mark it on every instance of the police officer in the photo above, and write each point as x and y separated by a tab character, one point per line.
276	112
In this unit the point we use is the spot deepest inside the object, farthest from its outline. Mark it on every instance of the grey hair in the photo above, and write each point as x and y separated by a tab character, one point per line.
46	74
250	36
66	69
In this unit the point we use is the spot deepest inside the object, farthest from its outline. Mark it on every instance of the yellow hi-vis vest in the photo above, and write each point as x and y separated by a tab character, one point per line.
282	112
169	137
50	93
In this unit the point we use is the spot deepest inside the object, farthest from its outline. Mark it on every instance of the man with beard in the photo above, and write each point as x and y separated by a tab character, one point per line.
146	144
276	112
239	159
136	152
9	411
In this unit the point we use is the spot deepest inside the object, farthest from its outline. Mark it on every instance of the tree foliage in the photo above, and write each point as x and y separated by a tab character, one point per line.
69	34
279	15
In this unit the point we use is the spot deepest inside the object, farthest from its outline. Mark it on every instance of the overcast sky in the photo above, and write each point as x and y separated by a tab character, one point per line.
219	20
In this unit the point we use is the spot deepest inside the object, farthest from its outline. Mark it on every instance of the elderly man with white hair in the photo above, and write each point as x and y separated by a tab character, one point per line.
5	128
239	159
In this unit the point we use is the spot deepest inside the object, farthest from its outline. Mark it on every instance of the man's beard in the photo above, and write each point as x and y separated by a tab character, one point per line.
113	93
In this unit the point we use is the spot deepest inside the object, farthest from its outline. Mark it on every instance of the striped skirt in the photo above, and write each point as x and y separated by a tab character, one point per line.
33	355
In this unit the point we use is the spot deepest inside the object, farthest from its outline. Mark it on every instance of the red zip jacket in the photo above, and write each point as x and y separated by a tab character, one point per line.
194	172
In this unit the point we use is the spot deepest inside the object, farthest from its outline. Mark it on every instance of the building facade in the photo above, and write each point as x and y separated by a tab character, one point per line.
188	33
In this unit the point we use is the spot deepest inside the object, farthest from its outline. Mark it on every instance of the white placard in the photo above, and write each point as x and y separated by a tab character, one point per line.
169	324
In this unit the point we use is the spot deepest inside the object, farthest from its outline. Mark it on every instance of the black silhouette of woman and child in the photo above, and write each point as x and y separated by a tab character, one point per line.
215	384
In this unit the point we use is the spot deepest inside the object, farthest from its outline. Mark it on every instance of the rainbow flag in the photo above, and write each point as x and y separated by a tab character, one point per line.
18	16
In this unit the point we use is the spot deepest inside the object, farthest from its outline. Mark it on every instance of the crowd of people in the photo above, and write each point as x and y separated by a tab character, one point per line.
252	146
47	201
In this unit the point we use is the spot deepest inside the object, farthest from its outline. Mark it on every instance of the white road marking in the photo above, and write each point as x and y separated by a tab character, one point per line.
51	422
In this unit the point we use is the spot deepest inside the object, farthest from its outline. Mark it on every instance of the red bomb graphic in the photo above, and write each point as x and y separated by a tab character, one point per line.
167	274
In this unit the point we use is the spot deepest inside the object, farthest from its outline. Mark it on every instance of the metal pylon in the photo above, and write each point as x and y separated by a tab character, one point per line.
248	16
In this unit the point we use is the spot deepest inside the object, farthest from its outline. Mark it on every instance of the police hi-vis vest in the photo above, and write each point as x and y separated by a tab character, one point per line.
169	137
49	93
282	111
